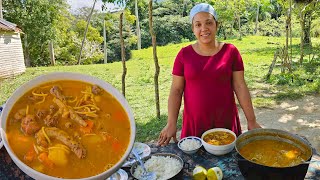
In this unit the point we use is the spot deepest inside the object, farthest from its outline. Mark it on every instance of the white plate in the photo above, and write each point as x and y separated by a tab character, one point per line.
142	149
119	175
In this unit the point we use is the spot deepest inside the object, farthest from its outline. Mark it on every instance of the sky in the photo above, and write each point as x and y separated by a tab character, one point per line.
76	4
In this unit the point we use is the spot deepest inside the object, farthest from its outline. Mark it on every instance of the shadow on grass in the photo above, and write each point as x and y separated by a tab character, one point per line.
151	130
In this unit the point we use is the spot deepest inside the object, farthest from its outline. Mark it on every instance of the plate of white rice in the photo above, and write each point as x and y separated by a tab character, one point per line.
190	144
164	165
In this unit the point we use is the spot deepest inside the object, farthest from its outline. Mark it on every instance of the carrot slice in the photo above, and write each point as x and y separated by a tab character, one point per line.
88	128
43	158
30	155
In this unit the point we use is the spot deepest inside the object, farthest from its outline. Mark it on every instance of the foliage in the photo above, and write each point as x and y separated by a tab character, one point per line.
37	19
113	41
272	27
168	29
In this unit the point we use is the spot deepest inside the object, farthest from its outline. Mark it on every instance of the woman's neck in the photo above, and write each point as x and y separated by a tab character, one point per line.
207	49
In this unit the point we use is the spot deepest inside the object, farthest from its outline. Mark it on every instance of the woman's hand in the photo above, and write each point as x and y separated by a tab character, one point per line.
168	132
253	125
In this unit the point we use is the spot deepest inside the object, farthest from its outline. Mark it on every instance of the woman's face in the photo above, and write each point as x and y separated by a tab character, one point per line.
204	27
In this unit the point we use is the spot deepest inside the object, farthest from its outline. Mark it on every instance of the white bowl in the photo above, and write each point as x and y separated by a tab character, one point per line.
65	76
218	150
193	150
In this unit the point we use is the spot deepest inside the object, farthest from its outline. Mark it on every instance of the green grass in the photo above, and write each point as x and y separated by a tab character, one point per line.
257	53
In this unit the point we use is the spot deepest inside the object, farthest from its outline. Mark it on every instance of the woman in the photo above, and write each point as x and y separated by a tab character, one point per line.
207	74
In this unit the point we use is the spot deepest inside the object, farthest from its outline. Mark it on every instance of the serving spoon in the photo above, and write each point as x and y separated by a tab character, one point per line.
145	175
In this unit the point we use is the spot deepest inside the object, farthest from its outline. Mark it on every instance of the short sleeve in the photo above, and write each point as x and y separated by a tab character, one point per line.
237	64
178	66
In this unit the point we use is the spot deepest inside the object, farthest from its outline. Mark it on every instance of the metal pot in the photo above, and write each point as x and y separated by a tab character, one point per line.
179	175
254	171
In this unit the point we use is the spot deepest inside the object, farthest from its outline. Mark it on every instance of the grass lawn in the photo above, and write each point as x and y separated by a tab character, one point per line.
257	53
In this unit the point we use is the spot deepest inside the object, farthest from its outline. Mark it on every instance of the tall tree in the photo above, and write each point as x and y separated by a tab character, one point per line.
1	15
137	24
85	32
305	11
155	58
257	17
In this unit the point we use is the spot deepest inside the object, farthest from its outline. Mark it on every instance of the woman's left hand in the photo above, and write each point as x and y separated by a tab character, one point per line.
253	125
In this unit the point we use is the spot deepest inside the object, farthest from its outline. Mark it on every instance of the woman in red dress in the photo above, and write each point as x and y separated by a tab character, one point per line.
207	74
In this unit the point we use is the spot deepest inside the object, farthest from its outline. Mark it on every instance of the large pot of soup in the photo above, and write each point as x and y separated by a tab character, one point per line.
272	154
68	125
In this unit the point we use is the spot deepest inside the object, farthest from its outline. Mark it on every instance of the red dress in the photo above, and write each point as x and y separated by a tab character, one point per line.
209	100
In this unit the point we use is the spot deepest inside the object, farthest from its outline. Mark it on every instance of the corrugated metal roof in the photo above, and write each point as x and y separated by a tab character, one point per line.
8	26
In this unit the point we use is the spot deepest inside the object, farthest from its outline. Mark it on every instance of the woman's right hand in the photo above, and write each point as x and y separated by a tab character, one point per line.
168	132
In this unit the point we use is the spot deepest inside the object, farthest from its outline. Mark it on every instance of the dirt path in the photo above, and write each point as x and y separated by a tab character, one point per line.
301	117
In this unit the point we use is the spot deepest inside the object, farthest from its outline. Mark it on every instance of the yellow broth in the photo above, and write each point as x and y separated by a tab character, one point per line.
219	138
104	143
273	153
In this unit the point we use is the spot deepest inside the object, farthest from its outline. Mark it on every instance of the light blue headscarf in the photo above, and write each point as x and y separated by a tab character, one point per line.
203	7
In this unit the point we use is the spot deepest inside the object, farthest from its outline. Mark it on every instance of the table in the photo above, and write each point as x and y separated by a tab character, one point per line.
8	170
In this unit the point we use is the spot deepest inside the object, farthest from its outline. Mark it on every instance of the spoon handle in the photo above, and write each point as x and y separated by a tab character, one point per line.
139	159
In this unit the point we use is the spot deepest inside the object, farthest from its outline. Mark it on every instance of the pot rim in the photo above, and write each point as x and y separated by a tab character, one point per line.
270	130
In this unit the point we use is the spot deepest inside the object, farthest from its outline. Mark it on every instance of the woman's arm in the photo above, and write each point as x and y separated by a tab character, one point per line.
174	104
244	98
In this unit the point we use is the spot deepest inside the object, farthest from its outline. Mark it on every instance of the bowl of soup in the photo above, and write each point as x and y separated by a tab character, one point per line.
218	141
69	126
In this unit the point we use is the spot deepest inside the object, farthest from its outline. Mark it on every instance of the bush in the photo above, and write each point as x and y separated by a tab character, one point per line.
272	27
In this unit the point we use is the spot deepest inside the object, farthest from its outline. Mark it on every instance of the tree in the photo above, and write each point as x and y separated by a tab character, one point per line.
138	25
1	15
305	11
85	32
156	63
38	20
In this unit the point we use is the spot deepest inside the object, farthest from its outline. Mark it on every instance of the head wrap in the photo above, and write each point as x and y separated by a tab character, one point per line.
203	7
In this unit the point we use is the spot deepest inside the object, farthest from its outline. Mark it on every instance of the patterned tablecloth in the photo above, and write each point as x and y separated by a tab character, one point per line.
8	170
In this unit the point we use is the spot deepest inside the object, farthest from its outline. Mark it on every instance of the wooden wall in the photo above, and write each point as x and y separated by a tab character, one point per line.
11	55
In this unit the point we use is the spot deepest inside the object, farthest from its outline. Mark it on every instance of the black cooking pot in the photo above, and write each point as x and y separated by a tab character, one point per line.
253	171
179	175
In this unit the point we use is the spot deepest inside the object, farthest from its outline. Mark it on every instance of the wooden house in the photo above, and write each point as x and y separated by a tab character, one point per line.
11	52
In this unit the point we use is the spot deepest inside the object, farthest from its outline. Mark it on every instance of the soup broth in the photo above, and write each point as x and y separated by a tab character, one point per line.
68	129
219	138
273	153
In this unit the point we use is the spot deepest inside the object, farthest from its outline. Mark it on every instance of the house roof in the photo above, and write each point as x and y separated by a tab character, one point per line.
8	26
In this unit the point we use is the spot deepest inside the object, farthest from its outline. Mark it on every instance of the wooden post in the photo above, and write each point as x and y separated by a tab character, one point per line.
123	56
155	58
51	51
272	64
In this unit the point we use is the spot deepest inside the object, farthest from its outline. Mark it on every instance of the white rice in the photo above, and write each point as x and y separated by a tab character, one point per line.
164	167
190	144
